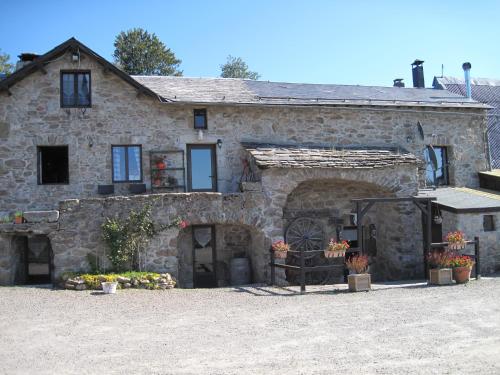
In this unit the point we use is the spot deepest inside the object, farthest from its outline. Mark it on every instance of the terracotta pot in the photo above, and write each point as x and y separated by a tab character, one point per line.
161	165
18	220
280	254
461	274
334	253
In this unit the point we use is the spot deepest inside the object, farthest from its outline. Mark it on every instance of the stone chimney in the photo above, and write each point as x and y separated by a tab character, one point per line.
418	73
398	82
25	59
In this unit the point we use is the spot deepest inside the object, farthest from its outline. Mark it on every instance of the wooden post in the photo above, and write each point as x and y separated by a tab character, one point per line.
476	255
273	268
428	236
302	271
359	229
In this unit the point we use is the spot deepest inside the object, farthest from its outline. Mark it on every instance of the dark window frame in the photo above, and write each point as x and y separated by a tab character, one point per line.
39	175
200	112
446	162
211	146
489	223
127	179
75	88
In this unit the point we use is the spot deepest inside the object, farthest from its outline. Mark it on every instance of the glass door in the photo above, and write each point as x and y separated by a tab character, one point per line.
202	169
204	256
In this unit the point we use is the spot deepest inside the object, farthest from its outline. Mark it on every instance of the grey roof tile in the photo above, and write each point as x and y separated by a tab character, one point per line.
241	91
296	156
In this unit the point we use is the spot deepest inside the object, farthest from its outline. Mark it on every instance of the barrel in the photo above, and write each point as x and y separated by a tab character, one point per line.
239	269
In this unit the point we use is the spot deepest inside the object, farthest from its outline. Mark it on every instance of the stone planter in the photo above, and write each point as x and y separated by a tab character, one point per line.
280	254
440	276
359	282
461	274
334	253
109	287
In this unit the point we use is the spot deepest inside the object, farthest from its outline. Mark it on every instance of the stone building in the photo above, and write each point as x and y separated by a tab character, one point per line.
244	162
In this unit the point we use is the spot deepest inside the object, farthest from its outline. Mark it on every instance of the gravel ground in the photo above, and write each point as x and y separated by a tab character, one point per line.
252	330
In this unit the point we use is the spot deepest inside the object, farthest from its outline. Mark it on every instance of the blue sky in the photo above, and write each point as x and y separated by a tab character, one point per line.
316	41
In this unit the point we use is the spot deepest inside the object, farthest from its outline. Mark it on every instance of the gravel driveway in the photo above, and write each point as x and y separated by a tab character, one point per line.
252	330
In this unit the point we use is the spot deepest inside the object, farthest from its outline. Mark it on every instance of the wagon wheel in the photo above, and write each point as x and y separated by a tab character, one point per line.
304	233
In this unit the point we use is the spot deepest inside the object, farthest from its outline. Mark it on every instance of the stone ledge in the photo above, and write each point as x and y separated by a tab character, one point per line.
29	228
41	216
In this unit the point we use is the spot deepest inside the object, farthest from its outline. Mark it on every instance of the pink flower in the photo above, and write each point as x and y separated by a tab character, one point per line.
183	224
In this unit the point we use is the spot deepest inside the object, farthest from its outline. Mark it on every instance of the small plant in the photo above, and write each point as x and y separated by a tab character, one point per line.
461	261
357	264
456	240
439	259
338	246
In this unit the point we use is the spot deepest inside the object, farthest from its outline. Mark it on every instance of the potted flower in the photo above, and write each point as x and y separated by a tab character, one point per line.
456	240
336	249
18	217
280	249
440	272
160	164
358	279
462	267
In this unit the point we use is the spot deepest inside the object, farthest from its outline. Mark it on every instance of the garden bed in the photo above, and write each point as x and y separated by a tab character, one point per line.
126	280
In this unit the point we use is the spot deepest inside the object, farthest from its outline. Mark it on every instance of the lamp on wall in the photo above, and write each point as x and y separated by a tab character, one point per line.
219	143
200	135
75	56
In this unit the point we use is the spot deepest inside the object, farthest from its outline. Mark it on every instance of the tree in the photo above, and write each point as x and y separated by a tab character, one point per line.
5	67
141	53
235	67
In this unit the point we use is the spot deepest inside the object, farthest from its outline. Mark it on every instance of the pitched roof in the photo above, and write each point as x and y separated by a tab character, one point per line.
484	90
242	91
297	156
464	199
71	45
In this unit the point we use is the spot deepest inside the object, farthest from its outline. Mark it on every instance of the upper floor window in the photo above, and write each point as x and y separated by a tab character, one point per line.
436	170
53	166
200	118
127	163
75	89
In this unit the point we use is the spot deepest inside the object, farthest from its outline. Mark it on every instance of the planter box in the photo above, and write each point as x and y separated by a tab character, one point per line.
359	282
137	188
105	189
440	276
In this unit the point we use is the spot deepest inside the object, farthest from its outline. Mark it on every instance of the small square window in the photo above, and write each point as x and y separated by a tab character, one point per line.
53	165
127	163
200	118
75	89
489	223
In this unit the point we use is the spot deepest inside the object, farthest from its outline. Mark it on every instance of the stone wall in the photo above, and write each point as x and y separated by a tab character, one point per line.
32	117
472	225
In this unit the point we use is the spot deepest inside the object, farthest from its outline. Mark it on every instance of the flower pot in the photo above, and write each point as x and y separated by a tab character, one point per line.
280	254
359	282
461	274
456	245
334	253
440	276
161	165
109	287
18	220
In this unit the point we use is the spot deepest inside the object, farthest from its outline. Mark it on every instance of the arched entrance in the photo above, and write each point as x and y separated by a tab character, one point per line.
321	209
34	259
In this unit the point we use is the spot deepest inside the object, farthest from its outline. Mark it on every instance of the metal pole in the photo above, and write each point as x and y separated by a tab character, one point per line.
273	269
428	236
476	255
302	272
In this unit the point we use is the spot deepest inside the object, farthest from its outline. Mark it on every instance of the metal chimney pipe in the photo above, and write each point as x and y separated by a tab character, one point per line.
466	67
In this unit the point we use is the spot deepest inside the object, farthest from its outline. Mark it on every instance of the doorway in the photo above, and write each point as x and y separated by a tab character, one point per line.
202	168
204	259
35	263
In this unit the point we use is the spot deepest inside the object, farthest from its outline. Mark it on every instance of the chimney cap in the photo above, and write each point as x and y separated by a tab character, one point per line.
417	62
28	56
466	66
398	82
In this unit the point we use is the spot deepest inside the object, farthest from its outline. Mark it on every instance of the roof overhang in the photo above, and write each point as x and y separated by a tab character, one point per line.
73	45
464	200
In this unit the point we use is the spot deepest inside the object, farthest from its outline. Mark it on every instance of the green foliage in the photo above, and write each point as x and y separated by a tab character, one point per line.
94	281
5	67
128	238
93	262
141	53
235	67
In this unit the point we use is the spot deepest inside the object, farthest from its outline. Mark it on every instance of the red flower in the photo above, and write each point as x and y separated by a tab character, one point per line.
183	224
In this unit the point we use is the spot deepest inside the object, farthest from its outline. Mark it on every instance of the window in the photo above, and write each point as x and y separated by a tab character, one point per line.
489	223
75	89
127	163
436	170
200	118
53	165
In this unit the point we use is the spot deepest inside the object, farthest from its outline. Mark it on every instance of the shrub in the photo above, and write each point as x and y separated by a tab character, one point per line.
357	263
439	259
